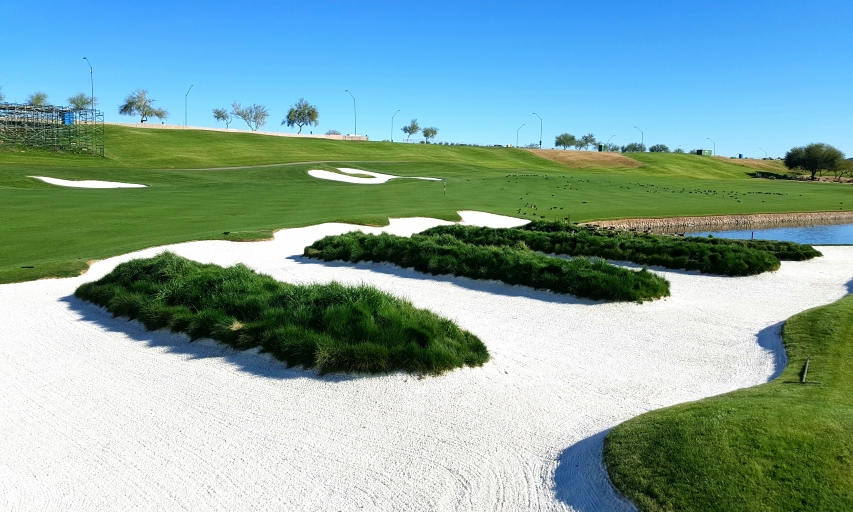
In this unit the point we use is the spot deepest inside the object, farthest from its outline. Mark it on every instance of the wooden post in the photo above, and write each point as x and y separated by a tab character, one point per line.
805	371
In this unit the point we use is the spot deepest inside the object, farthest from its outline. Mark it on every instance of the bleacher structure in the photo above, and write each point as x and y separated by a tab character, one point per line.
52	127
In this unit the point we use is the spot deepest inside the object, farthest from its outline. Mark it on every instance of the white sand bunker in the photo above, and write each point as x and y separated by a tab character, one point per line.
375	179
98	413
87	183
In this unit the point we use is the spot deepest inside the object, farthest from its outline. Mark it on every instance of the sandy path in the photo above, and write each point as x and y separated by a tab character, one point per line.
87	183
100	414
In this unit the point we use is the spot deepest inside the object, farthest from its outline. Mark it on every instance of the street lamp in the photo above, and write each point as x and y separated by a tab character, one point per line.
185	105
92	83
765	153
715	145
392	124
540	129
516	134
642	139
354	114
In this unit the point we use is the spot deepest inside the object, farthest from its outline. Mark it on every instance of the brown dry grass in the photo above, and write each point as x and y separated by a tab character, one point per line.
582	159
762	165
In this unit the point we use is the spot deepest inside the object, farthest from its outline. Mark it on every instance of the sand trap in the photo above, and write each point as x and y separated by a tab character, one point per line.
87	183
97	413
583	159
376	179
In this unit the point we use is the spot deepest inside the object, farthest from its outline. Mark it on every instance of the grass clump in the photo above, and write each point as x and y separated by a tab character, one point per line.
444	254
332	328
778	446
707	255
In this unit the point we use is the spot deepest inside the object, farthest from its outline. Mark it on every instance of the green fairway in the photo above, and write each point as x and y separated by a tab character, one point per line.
57	230
779	446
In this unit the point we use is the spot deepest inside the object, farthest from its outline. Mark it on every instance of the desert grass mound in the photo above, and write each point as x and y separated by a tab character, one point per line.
440	255
584	159
332	328
707	255
784	445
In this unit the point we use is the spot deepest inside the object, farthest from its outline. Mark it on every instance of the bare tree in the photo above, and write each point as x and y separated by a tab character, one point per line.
139	104
412	128
81	101
254	115
429	133
220	114
37	99
301	114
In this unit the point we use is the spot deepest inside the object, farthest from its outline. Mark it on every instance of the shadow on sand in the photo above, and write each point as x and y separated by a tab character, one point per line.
176	343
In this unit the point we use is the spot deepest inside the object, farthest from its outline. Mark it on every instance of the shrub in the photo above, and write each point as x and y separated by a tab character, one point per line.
332	328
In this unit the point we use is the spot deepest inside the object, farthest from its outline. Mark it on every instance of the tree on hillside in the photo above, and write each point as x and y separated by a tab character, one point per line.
634	147
332	132
221	114
412	129
37	99
301	114
429	133
255	115
678	150
139	104
611	148
659	148
588	140
814	158
565	140
81	101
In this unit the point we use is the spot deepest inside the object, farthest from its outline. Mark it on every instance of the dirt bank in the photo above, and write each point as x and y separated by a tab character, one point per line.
728	221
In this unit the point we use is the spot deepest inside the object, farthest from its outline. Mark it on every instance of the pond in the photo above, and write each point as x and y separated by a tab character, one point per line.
818	234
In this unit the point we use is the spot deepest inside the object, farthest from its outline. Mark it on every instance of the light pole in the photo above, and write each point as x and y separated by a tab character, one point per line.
715	145
354	114
92	83
608	142
642	139
540	129
765	153
185	105
392	124
516	134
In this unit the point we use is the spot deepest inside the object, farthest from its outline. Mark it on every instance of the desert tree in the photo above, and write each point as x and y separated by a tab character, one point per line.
659	148
634	147
301	114
221	114
429	133
588	140
81	101
139	104
412	128
814	158
37	99
678	150
611	148
254	115
565	140
332	132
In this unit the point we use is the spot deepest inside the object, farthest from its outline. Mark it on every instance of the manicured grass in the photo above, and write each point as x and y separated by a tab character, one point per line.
778	446
57	230
332	328
444	254
708	255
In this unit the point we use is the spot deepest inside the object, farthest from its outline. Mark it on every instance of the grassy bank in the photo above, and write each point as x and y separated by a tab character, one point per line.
779	446
332	328
445	254
57	230
708	255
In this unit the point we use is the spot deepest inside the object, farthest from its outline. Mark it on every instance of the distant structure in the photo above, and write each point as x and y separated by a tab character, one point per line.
704	152
52	127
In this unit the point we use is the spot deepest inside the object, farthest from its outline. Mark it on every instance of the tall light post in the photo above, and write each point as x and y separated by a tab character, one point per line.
765	153
540	129
92	83
642	139
715	145
185	105
354	114
392	124
516	134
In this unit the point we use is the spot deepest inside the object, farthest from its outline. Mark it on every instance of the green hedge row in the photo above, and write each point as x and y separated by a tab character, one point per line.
332	328
445	254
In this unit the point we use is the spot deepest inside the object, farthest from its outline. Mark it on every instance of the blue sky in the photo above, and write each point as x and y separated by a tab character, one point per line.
749	75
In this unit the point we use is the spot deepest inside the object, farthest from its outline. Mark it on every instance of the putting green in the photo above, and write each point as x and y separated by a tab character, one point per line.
57	230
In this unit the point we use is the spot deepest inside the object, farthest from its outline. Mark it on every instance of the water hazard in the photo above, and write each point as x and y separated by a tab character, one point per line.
818	234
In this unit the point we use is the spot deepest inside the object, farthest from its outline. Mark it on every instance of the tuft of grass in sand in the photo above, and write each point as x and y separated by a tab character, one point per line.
332	328
783	445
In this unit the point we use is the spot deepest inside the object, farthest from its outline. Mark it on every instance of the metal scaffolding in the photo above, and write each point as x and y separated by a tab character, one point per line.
52	127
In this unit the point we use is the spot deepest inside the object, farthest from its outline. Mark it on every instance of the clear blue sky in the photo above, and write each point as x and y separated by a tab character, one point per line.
749	75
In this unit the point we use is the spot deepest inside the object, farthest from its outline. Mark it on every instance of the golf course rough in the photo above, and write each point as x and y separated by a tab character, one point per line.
330	327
